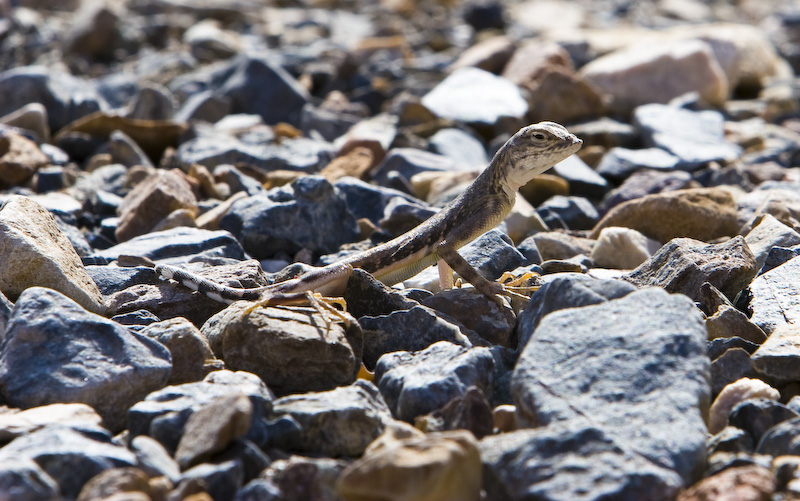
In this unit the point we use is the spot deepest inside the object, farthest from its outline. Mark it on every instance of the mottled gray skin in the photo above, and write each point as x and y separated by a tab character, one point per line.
481	207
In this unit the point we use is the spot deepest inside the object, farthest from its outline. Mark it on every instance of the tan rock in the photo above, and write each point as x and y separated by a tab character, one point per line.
491	54
657	73
535	59
355	163
622	248
36	252
777	358
743	483
730	322
543	187
731	395
437	467
20	158
33	117
563	96
189	349
115	481
177	219
700	213
523	220
152	200
560	245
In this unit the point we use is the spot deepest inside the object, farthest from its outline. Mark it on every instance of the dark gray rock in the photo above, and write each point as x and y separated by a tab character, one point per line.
490	99
574	213
570	462
298	478
782	439
152	102
163	414
365	295
767	234
779	255
5	313
470	411
298	154
367	200
309	214
650	368
778	358
492	254
203	106
154	459
775	298
695	137
529	249
339	422
648	182
65	97
219	480
407	330
619	163
583	180
257	85
111	279
401	216
259	490
731	366
181	242
125	151
684	265
730	322
327	123
460	147
486	317
55	351
718	346
731	439
237	180
413	384
566	291
136	320
757	415
70	456
21	478
410	161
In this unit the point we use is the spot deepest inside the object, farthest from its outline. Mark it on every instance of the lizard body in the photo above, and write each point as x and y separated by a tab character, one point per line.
481	207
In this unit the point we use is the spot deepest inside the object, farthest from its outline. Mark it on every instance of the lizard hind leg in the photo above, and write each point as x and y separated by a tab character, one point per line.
326	309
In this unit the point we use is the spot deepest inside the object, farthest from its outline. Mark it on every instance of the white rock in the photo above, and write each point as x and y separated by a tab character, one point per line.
731	395
622	248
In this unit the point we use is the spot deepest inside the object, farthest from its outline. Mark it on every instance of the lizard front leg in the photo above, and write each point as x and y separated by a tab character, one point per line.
467	272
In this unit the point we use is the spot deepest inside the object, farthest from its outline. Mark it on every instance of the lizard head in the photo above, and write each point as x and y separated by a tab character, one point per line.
534	149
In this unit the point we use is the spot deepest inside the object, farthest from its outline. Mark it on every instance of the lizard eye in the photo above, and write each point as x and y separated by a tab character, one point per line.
540	136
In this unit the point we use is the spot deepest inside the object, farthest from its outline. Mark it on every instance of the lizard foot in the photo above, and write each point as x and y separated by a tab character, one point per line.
325	307
521	286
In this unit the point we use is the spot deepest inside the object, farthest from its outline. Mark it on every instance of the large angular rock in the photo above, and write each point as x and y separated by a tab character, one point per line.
37	253
775	298
633	367
684	265
778	359
55	351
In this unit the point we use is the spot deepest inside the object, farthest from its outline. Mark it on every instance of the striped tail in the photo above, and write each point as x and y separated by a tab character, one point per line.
214	290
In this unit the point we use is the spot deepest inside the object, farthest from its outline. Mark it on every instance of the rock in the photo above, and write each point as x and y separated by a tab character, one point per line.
470	411
562	95
125	151
774	299
490	98
365	200
212	428
216	480
184	243
37	253
38	361
163	414
151	201
648	182
684	265
485	317
355	163
439	466
776	359
5	312
20	158
605	132
413	384
293	350
408	162
490	54
695	137
152	102
70	456
646	73
255	85
757	415
551	394
208	41
408	330
288	219
203	106
187	347
733	365
560	245
16	423
619	163
298	477
117	482
720	345
583	180
781	439
779	255
701	213
339	422
573	213
154	459
492	254
94	33
767	234
23	479
728	322
622	248
566	291
589	463
365	295
731	439
65	97
31	117
460	147
747	483
732	395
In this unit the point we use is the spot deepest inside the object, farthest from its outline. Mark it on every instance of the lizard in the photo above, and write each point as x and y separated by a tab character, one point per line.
479	208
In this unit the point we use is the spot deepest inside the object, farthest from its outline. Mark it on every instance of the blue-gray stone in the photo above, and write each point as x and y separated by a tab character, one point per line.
573	213
459	146
582	179
619	163
178	242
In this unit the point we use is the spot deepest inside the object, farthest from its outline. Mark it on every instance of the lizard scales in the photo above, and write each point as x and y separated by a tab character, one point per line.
481	207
